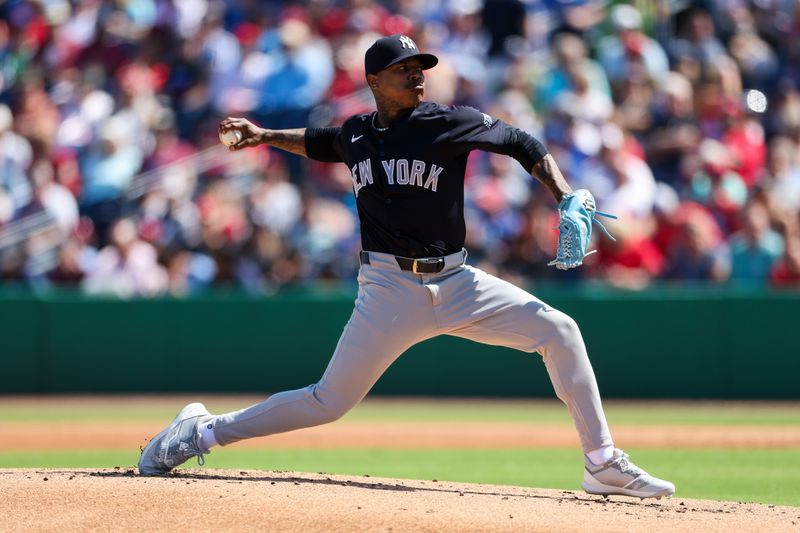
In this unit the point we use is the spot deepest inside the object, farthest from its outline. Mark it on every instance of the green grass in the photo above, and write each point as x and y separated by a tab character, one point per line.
618	412
527	411
764	476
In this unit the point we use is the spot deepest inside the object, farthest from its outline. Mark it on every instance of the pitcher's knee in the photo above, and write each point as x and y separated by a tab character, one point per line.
330	406
565	329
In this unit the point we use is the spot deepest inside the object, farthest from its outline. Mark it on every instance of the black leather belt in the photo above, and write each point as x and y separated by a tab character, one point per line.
428	265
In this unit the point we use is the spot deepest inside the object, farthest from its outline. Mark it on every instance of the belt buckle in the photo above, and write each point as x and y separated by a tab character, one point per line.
425	262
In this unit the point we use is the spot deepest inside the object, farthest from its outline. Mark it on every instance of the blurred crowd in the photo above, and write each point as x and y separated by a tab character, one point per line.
683	118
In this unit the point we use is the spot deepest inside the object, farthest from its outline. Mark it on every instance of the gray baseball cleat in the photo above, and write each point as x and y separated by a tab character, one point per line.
620	476
176	444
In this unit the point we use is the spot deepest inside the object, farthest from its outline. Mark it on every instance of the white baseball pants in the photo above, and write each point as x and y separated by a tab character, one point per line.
396	309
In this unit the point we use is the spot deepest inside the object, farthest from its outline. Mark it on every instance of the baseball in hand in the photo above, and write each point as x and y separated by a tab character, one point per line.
230	137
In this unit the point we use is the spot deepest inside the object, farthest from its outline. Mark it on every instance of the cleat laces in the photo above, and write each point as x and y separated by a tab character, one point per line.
198	450
184	452
625	466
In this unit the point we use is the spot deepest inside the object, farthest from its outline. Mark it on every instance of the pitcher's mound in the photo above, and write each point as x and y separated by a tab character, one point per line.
227	500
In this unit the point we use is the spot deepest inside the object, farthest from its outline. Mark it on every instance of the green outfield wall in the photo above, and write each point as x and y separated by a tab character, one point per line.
666	343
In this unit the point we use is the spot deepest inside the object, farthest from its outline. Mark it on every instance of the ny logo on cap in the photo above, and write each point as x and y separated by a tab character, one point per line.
407	42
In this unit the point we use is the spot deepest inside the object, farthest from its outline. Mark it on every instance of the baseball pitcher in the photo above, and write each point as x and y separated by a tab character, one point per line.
407	160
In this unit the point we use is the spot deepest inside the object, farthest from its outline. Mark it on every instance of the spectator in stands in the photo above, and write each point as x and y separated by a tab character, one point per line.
580	17
713	182
570	62
300	74
504	21
57	200
628	49
466	36
697	38
224	225
717	93
675	132
108	168
631	188
756	248
492	195
127	266
633	260
16	156
782	175
74	260
786	272
220	52
697	254
582	101
745	138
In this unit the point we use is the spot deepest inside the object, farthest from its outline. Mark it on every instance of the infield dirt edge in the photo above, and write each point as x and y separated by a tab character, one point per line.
238	500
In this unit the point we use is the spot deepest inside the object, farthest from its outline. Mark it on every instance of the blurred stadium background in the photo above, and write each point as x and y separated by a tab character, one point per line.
683	118
138	255
130	239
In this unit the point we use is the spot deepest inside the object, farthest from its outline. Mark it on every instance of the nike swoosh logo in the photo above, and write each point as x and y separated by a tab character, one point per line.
354	138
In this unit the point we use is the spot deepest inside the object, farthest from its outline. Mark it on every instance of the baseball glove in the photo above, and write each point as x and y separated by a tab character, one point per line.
577	212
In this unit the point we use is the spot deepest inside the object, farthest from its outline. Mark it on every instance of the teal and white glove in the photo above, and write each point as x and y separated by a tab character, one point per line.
577	212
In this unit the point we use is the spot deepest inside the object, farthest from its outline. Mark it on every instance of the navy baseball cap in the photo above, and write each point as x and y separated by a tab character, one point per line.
392	49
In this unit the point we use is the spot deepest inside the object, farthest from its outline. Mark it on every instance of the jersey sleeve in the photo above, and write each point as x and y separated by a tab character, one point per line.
324	144
474	130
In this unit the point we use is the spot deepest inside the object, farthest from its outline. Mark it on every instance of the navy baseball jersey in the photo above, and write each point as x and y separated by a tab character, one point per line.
409	178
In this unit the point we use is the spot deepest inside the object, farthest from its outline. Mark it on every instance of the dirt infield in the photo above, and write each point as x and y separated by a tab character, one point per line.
119	500
219	500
